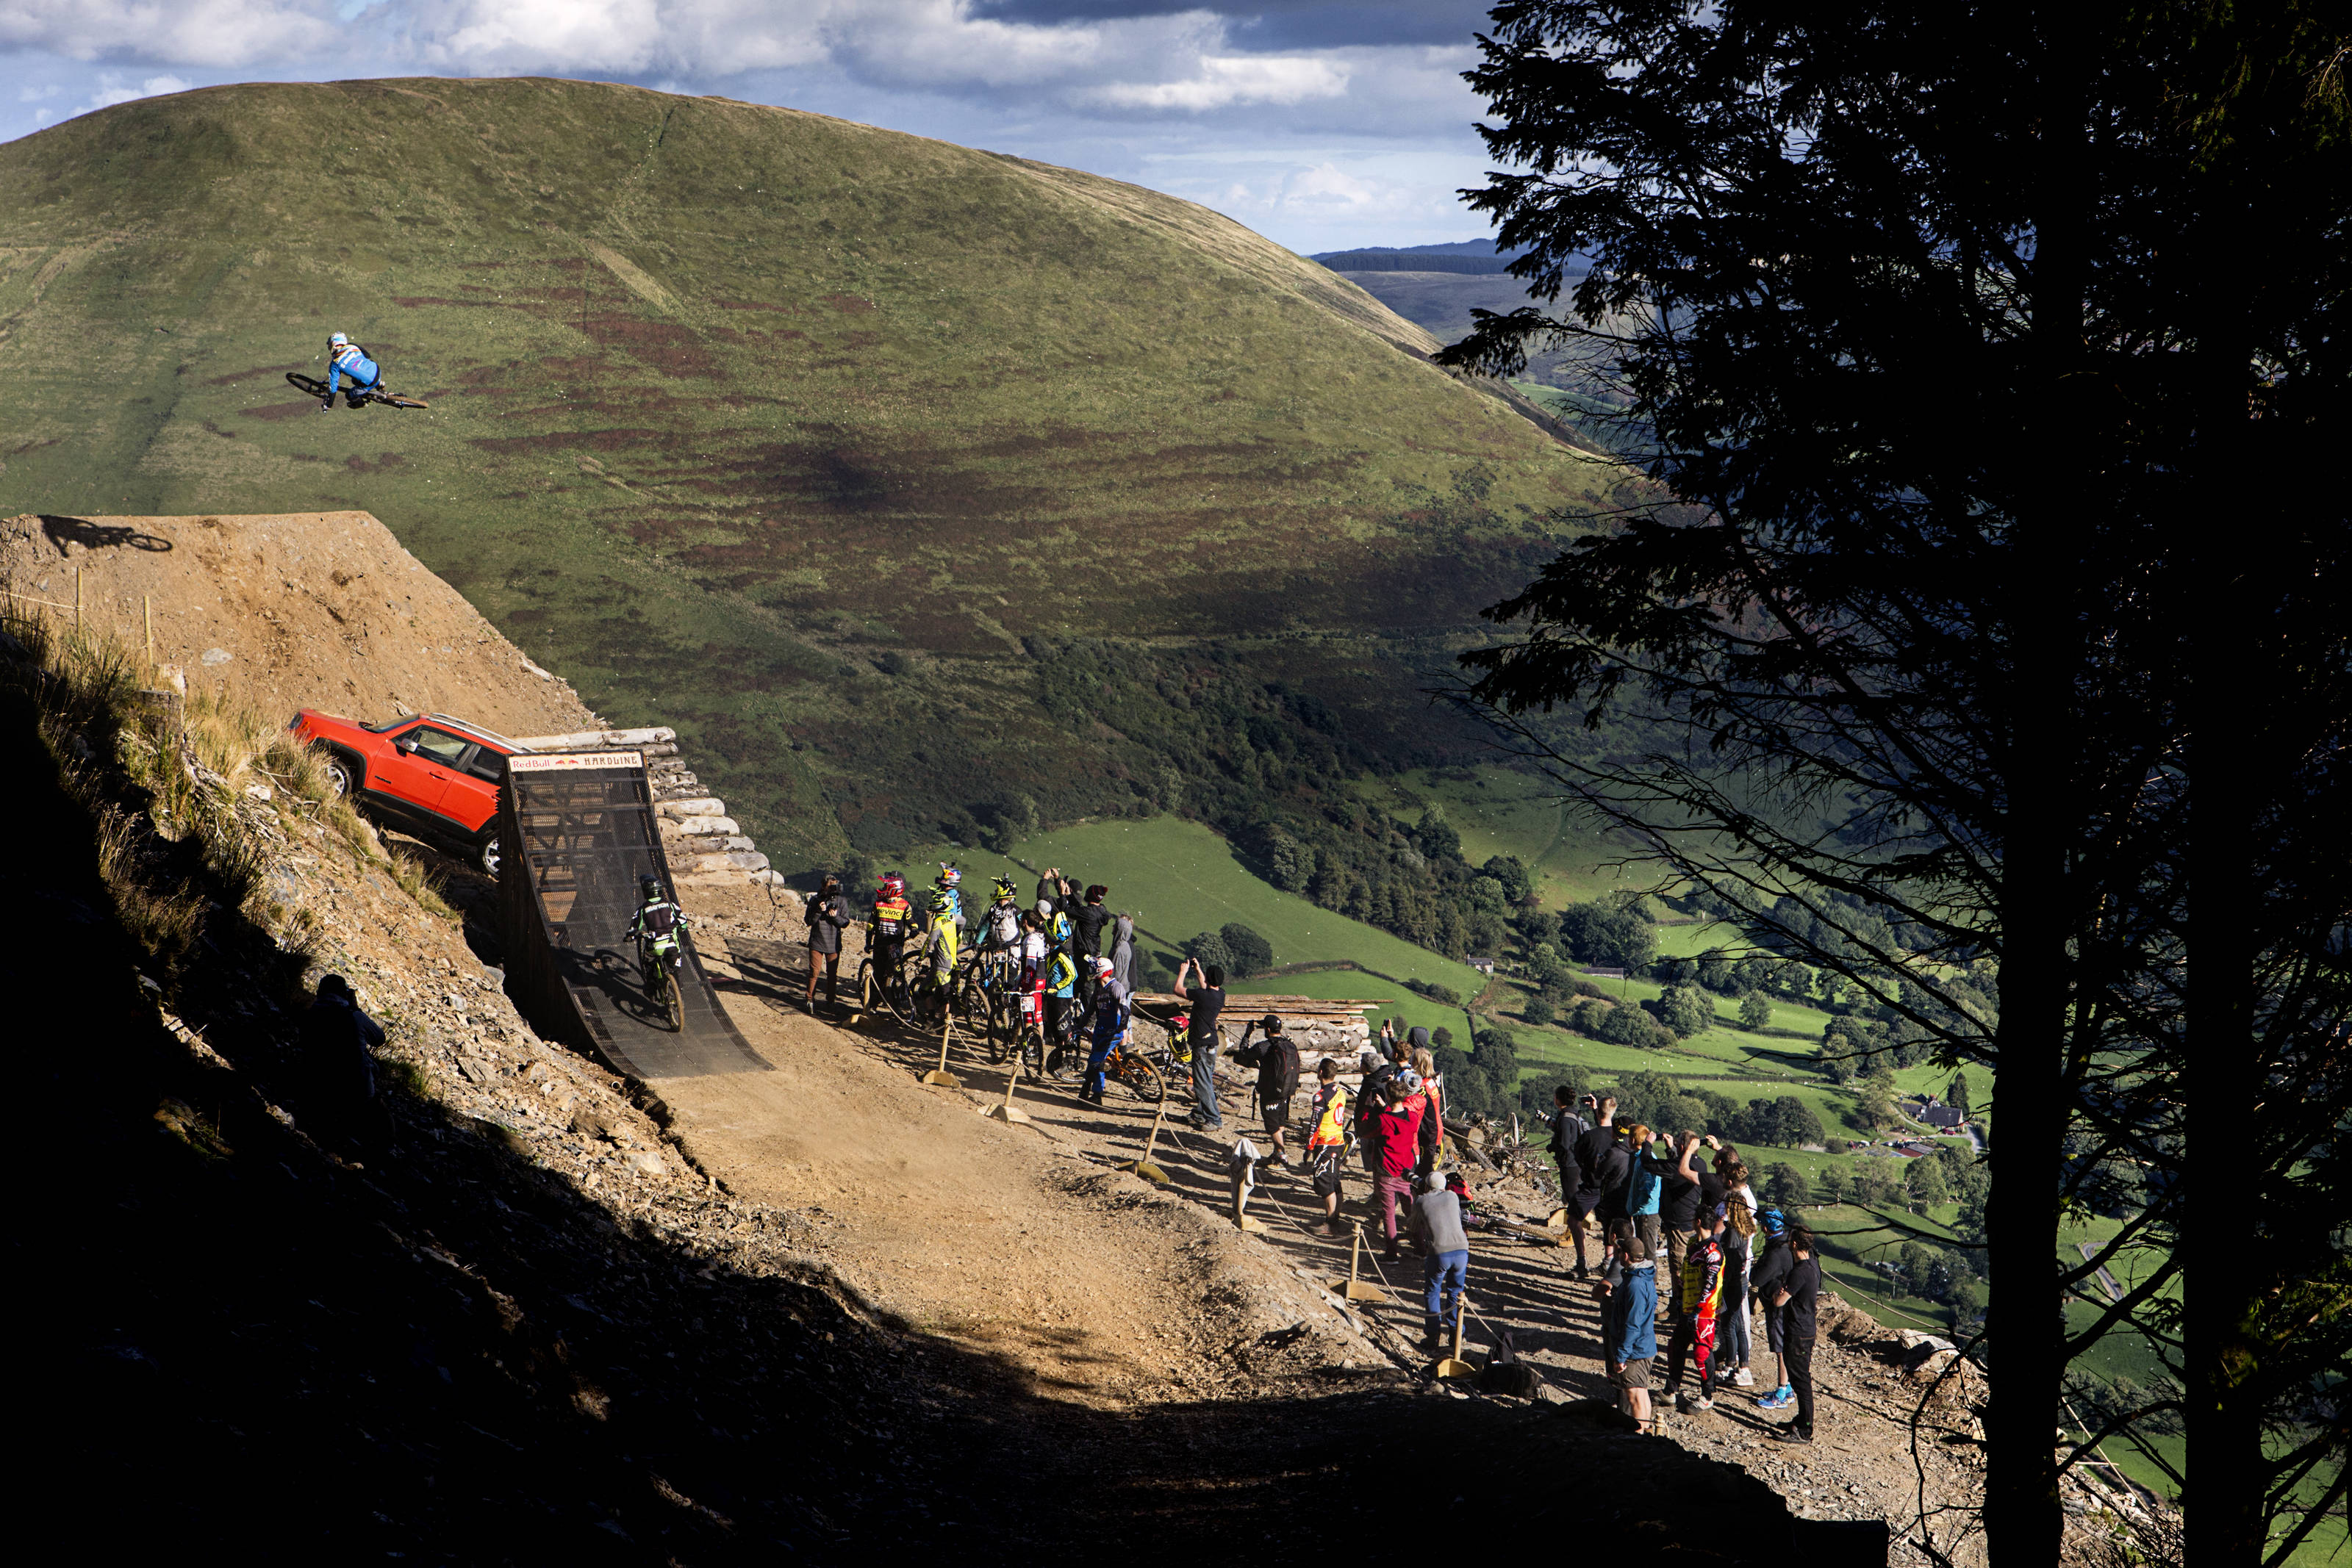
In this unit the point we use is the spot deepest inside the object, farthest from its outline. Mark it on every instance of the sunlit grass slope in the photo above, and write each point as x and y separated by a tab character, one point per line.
783	430
1180	879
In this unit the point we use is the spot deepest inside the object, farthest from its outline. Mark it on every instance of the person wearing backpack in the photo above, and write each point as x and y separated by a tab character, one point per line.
1277	1060
1568	1130
1644	1191
1061	1007
1445	1245
1326	1142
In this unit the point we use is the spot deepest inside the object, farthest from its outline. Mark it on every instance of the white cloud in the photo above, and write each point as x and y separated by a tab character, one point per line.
175	32
112	91
1218	81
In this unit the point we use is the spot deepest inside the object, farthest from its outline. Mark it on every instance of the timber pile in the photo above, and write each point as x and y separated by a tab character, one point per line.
703	843
1316	1023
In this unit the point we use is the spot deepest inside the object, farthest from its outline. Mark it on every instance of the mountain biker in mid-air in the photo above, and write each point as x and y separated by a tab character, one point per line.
345	357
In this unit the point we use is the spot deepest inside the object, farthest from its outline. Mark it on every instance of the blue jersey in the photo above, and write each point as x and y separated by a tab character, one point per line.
350	362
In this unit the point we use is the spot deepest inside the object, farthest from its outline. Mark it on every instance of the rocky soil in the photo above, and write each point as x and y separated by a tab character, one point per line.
297	610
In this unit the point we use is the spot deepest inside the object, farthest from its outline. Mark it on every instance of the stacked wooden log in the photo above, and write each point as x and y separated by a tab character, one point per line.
1316	1023
703	843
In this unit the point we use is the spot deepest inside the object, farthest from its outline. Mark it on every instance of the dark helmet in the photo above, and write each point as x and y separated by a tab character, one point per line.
649	884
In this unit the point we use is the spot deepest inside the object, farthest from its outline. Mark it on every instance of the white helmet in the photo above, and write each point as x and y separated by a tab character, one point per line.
337	340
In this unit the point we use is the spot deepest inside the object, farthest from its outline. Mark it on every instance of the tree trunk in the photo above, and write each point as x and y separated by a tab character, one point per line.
2023	1521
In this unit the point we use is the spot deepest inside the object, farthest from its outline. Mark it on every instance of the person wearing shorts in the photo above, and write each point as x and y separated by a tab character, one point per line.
1326	1142
1277	1060
1629	1323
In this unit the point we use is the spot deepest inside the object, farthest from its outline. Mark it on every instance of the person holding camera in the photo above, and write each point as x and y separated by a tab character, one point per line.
1204	1001
1399	1124
1277	1060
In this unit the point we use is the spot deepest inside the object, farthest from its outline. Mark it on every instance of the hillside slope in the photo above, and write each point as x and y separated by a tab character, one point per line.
730	402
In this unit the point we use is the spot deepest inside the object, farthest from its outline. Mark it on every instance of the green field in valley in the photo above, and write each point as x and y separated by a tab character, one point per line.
1507	811
1180	879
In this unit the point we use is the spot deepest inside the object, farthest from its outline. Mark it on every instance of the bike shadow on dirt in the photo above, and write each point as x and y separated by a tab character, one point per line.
65	532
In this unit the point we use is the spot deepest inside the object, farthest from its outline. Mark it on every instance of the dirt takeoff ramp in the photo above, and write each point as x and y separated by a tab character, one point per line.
580	829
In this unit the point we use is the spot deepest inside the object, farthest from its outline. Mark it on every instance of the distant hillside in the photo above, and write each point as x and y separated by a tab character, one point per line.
811	439
1440	301
1410	261
1473	256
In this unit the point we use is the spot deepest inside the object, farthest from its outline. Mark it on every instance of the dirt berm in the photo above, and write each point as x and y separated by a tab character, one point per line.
805	1314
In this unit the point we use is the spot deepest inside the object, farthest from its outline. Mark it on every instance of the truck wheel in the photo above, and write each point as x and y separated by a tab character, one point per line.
341	776
486	853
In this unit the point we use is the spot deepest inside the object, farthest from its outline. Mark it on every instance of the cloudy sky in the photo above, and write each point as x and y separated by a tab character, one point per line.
1323	125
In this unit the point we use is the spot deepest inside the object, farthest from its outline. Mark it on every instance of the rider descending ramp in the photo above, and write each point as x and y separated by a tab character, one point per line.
579	831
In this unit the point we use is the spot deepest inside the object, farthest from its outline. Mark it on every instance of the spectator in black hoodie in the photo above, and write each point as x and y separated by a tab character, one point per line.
1795	1300
1086	923
1678	1206
1568	1130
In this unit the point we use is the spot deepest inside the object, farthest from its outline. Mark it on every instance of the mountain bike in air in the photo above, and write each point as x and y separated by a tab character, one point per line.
358	397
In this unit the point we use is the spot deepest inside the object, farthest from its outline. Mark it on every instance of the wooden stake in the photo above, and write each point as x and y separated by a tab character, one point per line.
940	1074
77	602
1009	1112
1352	1288
147	610
1454	1366
1144	1167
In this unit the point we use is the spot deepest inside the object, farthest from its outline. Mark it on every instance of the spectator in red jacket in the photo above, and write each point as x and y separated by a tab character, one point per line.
1399	1123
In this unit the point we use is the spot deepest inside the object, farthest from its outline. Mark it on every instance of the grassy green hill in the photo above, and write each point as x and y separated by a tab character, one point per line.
804	437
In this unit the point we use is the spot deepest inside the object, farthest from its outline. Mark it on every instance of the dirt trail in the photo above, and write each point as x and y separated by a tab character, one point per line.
1025	1244
1015	1242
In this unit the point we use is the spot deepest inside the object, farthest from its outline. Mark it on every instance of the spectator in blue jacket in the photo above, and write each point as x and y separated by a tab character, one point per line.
1629	1323
1644	1190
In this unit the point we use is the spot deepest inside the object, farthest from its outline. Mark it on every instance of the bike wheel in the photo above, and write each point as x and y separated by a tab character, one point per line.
301	382
673	1000
1140	1079
394	401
